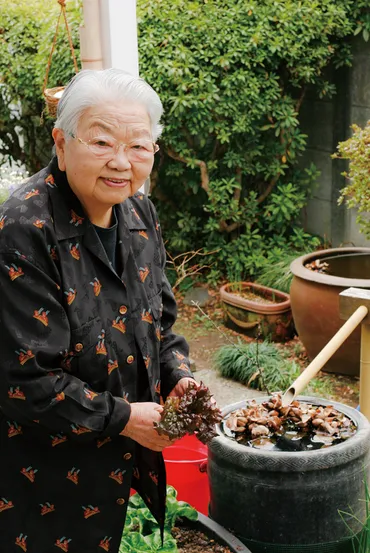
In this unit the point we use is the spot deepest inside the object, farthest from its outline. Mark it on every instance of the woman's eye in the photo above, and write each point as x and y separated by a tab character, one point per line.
101	143
137	146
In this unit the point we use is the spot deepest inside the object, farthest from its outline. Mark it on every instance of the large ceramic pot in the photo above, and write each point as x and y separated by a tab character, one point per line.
289	501
254	309
315	302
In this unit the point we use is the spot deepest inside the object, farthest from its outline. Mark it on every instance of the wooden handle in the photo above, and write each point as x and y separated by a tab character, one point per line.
325	354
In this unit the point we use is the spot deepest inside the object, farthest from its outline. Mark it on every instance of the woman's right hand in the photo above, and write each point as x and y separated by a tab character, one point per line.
140	426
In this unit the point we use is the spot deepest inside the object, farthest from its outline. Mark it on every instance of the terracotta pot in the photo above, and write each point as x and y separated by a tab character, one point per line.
272	319
315	303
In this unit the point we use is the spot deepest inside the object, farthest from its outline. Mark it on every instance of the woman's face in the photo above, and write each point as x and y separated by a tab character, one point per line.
99	179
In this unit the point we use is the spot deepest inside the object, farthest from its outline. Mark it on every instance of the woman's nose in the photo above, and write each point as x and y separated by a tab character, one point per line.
120	159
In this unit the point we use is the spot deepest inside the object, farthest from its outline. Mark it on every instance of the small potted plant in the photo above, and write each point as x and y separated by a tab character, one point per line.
257	309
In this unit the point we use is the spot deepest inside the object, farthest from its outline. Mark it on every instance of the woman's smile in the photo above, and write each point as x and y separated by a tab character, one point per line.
116	183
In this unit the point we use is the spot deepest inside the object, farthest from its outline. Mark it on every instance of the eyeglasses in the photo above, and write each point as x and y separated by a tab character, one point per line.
105	147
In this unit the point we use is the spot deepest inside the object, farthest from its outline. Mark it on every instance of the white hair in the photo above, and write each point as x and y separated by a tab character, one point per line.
89	88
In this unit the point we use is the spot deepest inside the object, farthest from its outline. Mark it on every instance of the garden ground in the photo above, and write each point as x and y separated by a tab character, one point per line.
205	339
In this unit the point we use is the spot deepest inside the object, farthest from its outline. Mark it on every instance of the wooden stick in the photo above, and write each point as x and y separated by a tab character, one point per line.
325	354
365	371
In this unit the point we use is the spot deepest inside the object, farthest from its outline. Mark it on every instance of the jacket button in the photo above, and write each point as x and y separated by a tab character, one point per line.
127	456
120	501
123	309
79	347
130	359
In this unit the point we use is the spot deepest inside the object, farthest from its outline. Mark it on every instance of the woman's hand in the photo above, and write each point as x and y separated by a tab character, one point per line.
140	426
181	387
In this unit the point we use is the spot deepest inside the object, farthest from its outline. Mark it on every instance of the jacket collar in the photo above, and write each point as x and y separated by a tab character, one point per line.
70	219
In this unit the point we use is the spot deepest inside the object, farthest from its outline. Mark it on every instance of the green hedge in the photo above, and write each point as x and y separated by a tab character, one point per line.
232	75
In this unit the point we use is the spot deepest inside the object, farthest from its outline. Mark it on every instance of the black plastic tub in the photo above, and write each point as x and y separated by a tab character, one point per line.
289	501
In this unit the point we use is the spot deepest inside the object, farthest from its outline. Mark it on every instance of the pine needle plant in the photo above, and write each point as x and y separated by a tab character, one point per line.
361	540
275	271
259	365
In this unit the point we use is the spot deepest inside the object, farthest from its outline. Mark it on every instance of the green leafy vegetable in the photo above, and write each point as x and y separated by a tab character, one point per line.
141	533
193	413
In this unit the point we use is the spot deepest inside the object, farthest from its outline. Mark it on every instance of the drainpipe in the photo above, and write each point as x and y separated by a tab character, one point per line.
90	36
119	35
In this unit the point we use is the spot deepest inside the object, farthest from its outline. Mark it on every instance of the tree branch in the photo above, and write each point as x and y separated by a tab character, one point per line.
238	178
155	173
268	190
273	182
181	269
300	99
201	164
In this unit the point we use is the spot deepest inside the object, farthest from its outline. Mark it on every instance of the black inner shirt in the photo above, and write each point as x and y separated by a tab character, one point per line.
108	238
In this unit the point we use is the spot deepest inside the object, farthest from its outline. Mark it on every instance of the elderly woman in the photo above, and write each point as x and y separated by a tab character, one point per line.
86	316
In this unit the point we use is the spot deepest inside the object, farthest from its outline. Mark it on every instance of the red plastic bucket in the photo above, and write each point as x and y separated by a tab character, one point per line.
186	468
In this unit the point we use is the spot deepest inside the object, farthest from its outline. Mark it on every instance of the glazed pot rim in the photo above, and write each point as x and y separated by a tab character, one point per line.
299	270
238	301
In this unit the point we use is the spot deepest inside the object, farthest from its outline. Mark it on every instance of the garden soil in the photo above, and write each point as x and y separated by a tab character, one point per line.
194	541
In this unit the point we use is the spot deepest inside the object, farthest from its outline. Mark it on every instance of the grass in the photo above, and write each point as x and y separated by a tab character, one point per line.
361	541
261	366
277	274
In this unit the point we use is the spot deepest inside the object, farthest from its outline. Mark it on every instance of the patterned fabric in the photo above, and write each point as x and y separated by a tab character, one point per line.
72	333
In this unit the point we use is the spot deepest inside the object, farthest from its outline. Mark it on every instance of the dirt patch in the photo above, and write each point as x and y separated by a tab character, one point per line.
194	541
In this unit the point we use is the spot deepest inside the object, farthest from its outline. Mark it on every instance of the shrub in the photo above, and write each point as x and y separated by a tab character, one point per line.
233	76
356	193
10	179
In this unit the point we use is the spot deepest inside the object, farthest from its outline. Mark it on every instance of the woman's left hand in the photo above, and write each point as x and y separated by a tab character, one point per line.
181	387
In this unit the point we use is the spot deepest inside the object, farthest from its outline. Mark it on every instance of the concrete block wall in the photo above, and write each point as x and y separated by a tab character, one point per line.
327	122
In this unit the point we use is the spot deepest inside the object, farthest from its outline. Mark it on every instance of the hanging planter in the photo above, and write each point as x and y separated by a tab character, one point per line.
53	95
255	309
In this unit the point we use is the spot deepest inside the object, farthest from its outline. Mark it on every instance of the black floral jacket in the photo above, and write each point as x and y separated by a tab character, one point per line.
73	336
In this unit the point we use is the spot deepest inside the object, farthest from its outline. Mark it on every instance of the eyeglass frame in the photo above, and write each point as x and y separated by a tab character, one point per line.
117	147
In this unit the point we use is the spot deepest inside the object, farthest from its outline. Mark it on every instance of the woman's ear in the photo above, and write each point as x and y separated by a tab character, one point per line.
60	144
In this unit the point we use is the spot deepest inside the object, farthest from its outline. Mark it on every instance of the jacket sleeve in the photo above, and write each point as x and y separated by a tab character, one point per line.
34	330
174	349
